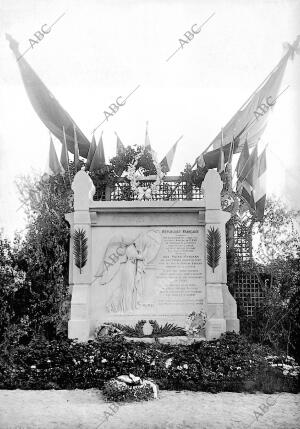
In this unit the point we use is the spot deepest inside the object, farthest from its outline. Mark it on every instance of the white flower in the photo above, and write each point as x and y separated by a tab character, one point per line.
48	360
104	361
168	362
33	367
185	366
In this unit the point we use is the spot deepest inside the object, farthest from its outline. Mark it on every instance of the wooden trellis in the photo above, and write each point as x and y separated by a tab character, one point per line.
245	280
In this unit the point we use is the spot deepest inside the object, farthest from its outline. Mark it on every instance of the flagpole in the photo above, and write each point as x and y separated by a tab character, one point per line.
66	151
76	150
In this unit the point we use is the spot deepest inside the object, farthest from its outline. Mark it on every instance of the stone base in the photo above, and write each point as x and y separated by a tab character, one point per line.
167	340
233	325
79	329
180	340
215	328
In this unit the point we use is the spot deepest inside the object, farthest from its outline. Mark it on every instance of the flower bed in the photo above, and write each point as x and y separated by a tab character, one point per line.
228	364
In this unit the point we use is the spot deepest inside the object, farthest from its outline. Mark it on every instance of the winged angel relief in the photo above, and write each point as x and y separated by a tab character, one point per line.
123	269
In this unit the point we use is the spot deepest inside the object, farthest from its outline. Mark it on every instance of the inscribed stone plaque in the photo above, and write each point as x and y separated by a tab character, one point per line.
152	273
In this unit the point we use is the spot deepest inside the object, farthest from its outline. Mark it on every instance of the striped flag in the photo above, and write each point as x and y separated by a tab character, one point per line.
259	184
54	166
98	160
246	191
167	161
91	153
147	140
245	166
120	146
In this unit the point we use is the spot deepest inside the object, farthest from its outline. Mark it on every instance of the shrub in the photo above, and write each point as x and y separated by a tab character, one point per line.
230	363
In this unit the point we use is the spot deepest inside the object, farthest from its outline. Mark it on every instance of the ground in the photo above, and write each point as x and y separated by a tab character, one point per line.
86	409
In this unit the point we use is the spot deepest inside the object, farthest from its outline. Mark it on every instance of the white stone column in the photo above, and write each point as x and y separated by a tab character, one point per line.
217	299
79	324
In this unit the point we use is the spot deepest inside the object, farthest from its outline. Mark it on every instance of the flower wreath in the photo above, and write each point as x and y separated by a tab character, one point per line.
133	174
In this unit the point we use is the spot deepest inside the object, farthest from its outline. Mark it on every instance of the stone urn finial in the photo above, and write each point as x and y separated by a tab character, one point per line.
147	329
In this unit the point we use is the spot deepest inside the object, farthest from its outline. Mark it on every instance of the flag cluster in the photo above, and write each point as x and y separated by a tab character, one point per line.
251	179
96	156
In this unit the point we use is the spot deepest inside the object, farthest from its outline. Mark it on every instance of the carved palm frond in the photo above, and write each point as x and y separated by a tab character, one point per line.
80	248
213	247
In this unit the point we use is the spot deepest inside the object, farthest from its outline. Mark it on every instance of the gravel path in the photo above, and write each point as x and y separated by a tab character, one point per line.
72	409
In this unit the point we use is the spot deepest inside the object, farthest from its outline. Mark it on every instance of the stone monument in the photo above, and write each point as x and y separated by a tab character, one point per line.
148	260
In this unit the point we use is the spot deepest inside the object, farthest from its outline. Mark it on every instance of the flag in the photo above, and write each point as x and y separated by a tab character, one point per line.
259	184
46	106
249	168
98	160
245	171
221	163
91	153
54	166
120	146
233	144
246	166
167	161
246	191
254	113
147	140
243	159
211	159
64	156
76	150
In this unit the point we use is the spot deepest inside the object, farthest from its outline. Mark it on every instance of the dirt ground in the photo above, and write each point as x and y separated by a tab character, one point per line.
20	409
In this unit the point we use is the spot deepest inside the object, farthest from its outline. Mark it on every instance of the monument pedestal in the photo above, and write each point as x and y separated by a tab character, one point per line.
149	260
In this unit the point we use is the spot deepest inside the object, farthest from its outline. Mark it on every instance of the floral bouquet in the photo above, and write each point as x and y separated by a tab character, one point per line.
130	388
195	323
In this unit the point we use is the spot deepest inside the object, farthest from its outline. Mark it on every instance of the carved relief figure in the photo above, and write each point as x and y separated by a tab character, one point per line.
123	269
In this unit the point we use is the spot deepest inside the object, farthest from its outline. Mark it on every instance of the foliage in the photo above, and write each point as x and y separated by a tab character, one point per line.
121	162
11	282
192	177
43	256
167	330
230	363
276	321
131	331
